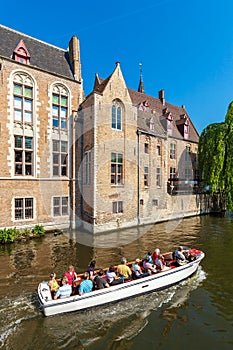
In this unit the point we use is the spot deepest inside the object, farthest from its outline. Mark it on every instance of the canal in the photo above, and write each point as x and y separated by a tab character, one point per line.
196	314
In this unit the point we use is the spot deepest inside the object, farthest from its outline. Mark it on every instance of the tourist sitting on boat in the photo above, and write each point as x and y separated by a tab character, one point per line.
123	270
86	285
155	255
112	277
189	255
65	290
148	266
160	264
53	285
91	269
179	256
137	271
99	281
149	254
71	275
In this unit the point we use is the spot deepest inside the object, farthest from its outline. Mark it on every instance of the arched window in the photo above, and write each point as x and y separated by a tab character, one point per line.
116	115
60	107
23	98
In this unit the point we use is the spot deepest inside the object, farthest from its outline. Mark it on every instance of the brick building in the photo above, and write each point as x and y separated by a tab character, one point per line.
137	160
115	159
40	91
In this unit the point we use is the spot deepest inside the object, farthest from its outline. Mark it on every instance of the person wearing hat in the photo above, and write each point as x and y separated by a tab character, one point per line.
137	271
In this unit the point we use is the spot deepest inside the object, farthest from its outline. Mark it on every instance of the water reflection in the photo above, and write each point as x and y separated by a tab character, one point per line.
114	325
119	326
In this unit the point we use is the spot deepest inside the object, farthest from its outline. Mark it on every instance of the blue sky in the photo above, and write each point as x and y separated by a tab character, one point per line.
186	47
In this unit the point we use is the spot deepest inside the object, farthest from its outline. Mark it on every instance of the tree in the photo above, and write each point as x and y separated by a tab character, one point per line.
215	157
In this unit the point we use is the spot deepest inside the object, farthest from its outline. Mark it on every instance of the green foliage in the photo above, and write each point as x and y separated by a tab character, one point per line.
215	155
38	230
10	235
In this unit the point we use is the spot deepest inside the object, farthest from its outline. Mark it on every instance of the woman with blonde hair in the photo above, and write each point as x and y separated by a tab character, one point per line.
53	285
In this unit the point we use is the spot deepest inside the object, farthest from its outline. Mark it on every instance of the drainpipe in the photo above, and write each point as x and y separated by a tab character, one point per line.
72	175
138	184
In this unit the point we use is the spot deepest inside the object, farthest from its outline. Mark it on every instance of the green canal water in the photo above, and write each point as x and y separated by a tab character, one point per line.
195	314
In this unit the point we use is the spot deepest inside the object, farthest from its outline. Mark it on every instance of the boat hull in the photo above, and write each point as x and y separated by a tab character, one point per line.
116	293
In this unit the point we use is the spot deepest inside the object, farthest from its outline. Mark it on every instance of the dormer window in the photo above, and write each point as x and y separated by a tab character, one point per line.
144	106
152	124
21	53
169	123
183	126
186	129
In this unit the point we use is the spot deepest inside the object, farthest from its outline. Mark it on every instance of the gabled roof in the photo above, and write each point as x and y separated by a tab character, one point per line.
43	55
21	49
144	121
100	84
151	109
156	106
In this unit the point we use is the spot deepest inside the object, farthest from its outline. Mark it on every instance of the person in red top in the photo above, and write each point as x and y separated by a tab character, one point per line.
71	275
155	255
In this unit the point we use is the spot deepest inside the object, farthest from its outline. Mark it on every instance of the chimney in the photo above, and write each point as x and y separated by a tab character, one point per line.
74	54
161	97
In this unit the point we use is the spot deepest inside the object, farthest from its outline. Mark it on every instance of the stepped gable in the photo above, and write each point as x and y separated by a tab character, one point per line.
155	106
42	55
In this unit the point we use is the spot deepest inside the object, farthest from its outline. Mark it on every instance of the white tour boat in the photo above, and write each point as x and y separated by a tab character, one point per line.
135	287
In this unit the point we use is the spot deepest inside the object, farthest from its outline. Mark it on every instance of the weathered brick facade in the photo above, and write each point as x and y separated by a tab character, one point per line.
27	197
158	179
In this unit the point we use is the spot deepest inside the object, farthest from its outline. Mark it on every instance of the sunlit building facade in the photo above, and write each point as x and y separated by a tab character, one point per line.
139	157
40	91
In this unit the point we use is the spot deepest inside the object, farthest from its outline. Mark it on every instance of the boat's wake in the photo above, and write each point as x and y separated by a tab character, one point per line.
12	314
113	324
124	320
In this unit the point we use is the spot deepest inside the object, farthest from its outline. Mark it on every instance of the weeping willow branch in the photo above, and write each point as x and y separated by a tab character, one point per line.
215	156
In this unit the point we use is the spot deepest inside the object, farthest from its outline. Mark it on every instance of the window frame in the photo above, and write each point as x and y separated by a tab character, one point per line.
21	156
187	153
24	208
59	155
117	207
155	202
172	150
21	102
59	110
116	115
146	176
172	173
61	207
116	169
